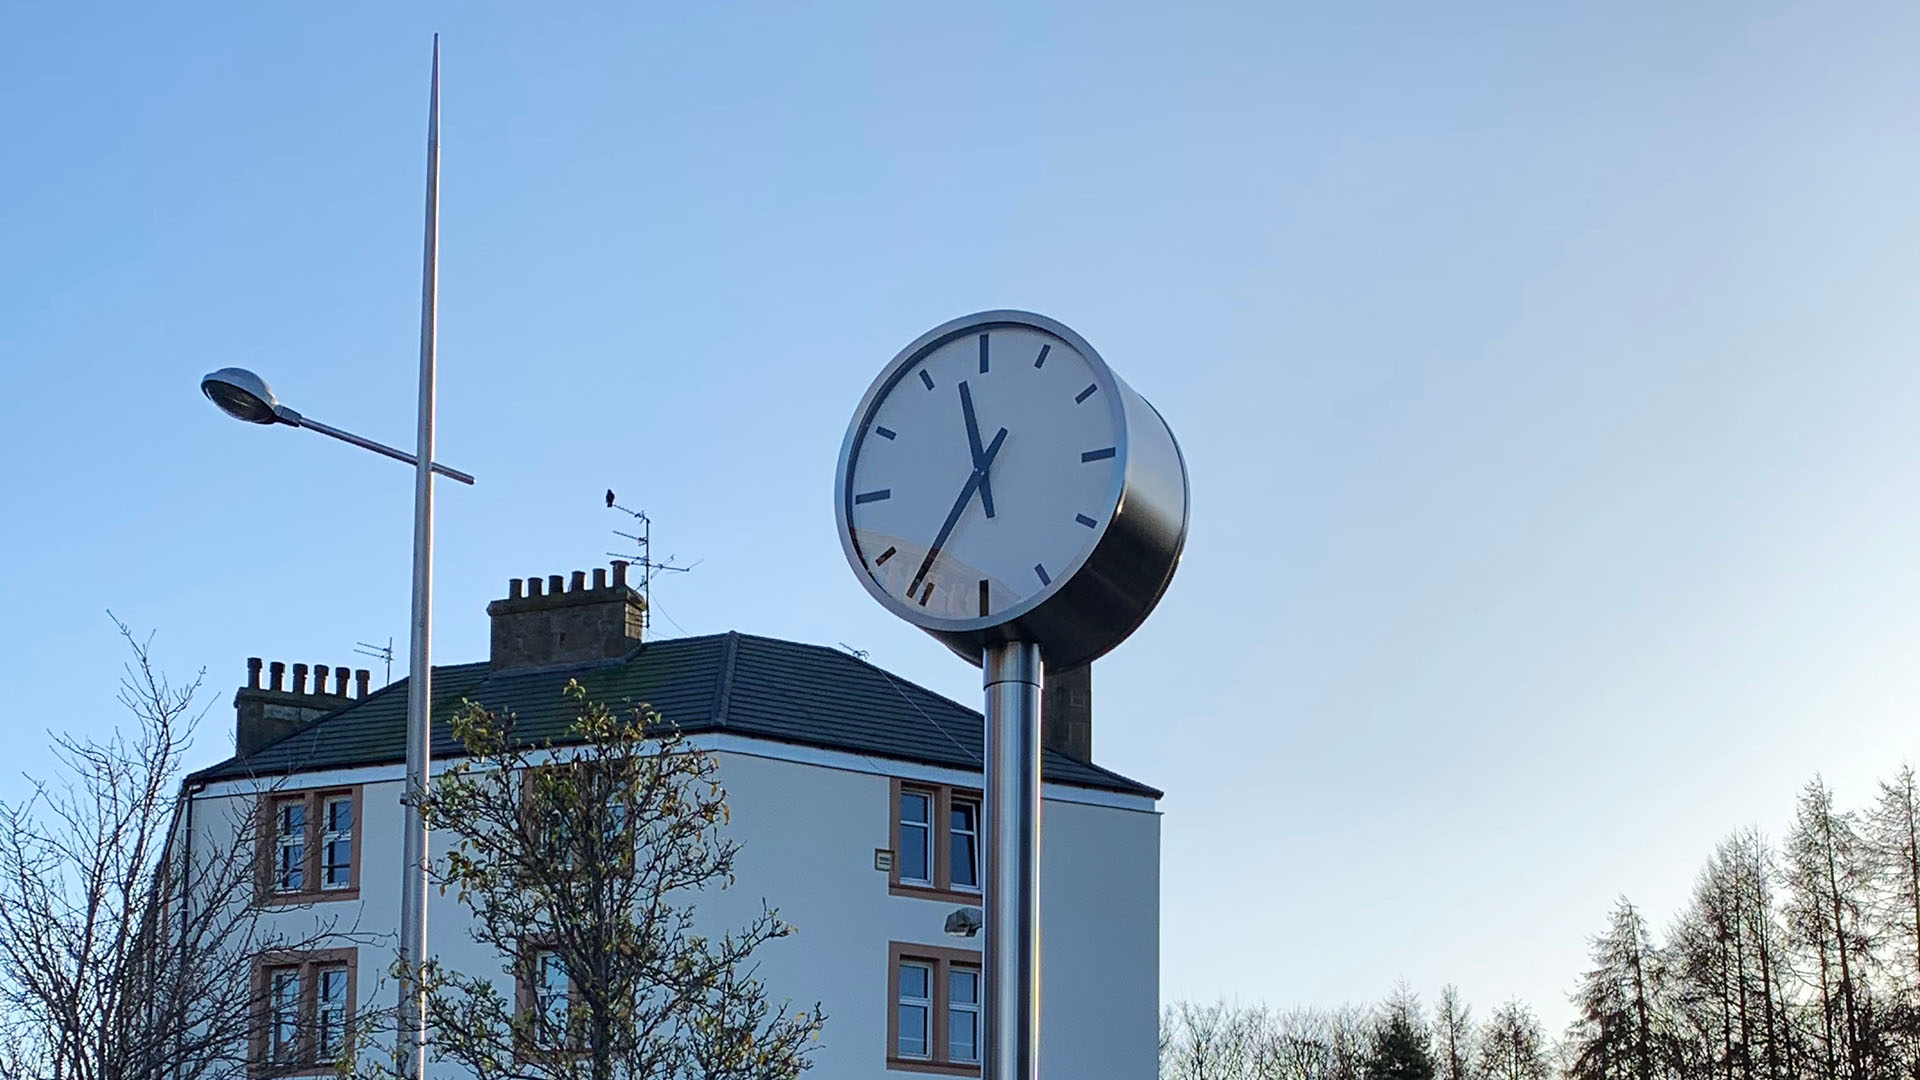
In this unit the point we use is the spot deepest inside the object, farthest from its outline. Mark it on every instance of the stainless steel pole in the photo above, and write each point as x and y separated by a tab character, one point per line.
413	890
1013	679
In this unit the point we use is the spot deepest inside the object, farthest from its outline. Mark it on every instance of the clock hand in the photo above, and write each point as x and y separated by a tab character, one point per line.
959	507
973	444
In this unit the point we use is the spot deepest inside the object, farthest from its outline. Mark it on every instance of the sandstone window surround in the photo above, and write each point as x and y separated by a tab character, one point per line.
936	834
544	995
933	1010
305	1011
309	844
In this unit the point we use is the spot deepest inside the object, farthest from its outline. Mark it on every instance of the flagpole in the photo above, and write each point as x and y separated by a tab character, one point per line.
413	889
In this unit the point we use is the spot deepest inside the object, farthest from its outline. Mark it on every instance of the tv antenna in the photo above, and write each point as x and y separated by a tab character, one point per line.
644	560
378	652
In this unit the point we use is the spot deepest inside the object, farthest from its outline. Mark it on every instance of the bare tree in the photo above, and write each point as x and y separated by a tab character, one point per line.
1893	837
582	865
1827	878
124	953
1512	1046
1208	1042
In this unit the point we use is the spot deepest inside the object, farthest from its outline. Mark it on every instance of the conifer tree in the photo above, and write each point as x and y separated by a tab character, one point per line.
1401	1049
1620	1033
1453	1036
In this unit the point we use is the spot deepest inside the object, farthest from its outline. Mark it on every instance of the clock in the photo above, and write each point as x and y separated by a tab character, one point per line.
1000	483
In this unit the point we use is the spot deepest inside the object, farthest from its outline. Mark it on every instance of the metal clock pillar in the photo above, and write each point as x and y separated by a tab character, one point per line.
1013	677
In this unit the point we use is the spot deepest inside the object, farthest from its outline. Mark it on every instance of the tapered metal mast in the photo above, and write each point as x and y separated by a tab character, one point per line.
413	891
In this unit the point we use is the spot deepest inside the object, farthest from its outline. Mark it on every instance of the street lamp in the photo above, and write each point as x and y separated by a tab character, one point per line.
245	396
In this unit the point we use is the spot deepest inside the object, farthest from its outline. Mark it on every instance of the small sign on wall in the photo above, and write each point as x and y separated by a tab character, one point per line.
883	860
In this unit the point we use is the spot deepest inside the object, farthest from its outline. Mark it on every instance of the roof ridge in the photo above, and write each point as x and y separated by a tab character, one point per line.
723	682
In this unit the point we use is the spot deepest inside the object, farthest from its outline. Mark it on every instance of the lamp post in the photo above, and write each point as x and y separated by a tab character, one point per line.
245	396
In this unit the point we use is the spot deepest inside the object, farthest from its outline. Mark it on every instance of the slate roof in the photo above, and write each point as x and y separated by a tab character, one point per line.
759	687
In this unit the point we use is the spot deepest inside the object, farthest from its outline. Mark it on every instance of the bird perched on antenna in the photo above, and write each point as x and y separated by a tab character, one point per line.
609	497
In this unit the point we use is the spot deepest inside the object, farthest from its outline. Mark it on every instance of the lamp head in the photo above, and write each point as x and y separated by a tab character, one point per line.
965	923
242	395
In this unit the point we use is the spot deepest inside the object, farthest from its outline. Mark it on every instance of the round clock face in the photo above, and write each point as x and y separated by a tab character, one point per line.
984	473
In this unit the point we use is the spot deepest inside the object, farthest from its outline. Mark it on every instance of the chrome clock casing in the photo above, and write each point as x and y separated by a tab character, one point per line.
1092	605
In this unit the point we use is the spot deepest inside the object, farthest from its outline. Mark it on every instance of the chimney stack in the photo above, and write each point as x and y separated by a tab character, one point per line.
1066	712
566	621
263	714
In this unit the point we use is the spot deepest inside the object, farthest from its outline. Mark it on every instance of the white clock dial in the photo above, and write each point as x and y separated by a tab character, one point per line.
985	473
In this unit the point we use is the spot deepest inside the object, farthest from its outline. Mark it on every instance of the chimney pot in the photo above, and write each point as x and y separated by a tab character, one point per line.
277	671
340	681
361	678
513	589
578	581
320	678
599	577
299	678
533	586
619	572
556	584
253	673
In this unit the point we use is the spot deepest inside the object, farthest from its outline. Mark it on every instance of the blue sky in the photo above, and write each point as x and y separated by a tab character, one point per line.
1546	376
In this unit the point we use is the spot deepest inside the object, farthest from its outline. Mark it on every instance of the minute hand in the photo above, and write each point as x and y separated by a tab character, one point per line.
959	507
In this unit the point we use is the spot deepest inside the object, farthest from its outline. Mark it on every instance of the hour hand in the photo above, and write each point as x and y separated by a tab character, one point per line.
980	459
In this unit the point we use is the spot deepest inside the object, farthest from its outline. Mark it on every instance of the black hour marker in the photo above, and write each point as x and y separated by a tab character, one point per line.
884	433
1041	360
884	556
1084	394
983	596
926	378
983	354
873	496
1042	571
1081	518
1097	455
926	594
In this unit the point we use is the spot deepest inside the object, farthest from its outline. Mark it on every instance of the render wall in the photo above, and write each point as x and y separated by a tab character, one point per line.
808	831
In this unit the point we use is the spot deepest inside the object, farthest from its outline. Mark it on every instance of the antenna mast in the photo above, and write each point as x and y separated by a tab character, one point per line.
378	652
643	540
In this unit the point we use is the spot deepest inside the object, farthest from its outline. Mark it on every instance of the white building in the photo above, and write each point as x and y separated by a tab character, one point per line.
833	769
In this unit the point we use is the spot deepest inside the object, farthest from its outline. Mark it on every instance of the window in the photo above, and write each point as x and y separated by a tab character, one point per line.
311	851
916	828
916	1011
330	1013
579	811
336	843
306	1002
550	997
963	833
934	1011
963	1015
284	1039
290	838
936	842
545	996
